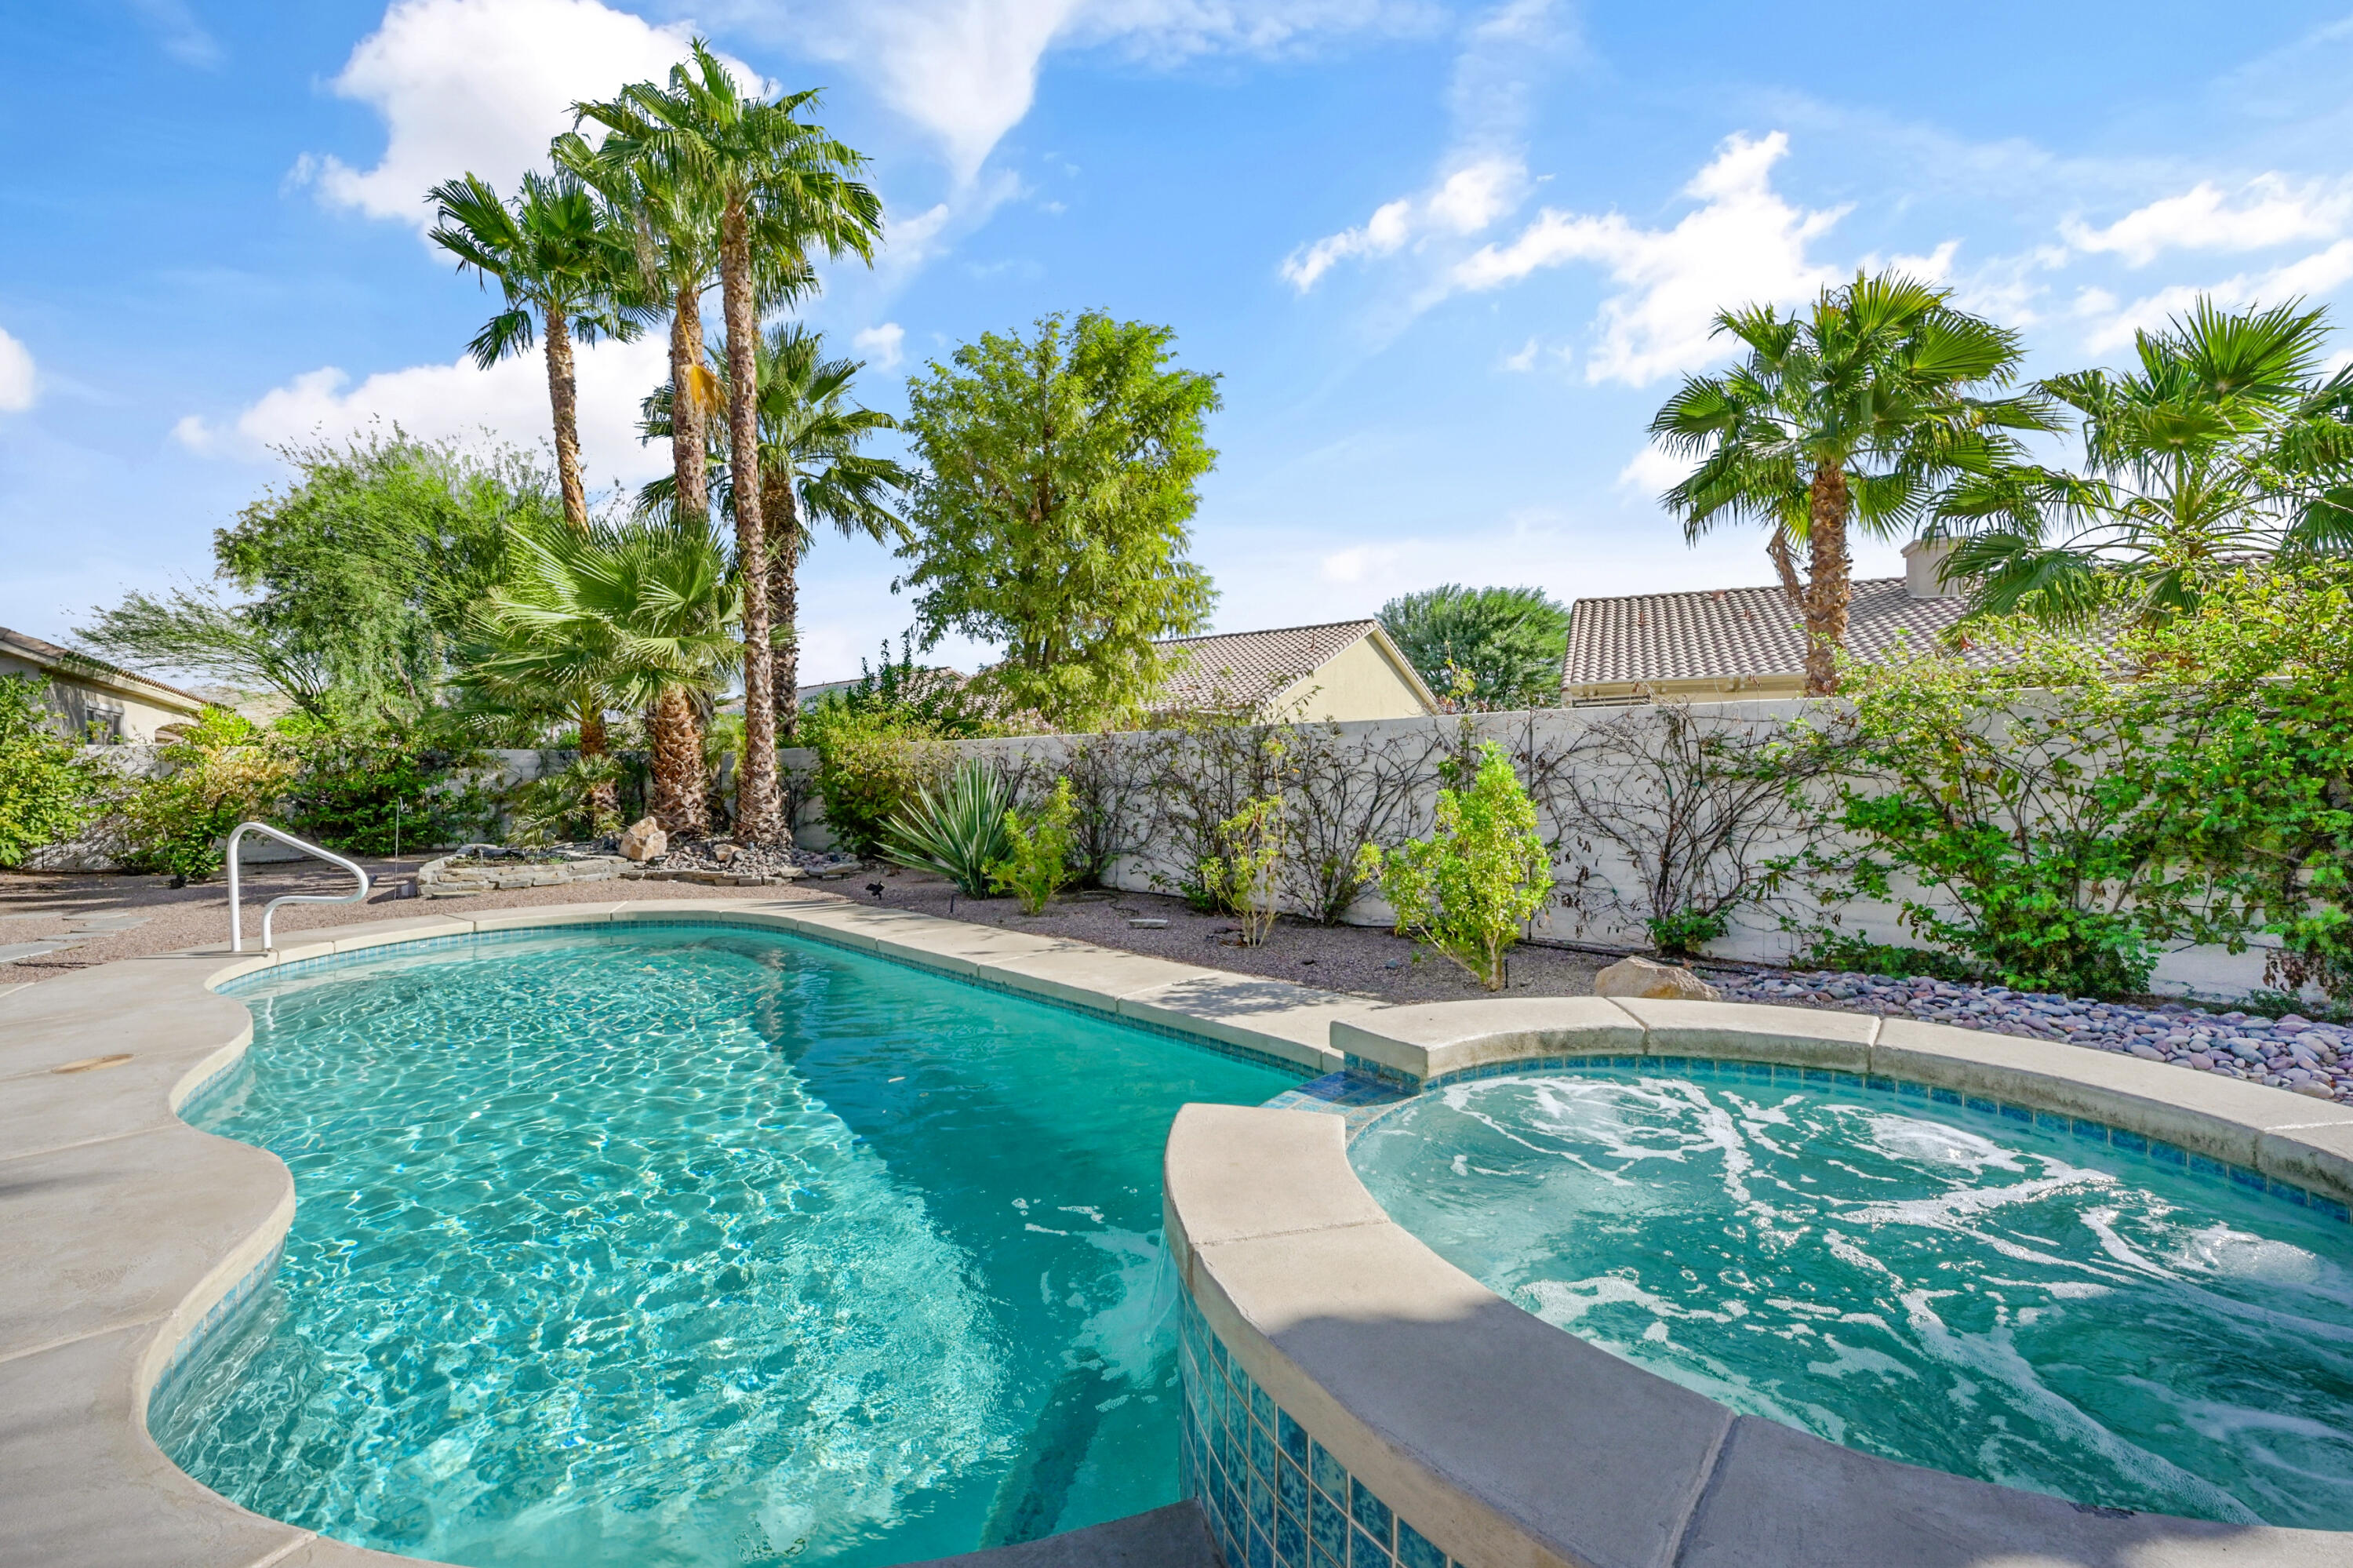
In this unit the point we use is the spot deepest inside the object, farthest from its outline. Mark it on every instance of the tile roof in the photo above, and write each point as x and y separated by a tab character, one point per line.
49	655
1728	632
1247	669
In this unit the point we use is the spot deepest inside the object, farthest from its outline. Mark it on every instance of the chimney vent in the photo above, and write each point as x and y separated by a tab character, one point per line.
1922	557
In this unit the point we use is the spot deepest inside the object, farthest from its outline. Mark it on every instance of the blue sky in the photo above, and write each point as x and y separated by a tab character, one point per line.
1446	258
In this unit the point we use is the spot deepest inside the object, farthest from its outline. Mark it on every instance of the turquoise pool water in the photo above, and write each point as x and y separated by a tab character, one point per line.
1935	1285
697	1246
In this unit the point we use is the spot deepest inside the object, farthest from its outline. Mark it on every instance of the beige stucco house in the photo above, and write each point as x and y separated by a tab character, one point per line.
84	692
1742	642
1345	669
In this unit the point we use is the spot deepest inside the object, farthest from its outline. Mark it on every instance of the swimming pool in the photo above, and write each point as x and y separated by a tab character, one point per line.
696	1245
1933	1284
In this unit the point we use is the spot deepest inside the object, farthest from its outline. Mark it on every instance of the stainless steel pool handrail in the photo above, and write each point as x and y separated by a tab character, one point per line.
237	921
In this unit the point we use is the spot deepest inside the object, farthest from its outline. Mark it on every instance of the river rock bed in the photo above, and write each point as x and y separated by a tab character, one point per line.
2290	1052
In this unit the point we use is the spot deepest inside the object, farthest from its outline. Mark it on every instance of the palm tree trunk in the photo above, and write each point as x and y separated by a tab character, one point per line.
757	810
563	398
687	449
1777	546
676	741
782	509
1829	584
604	800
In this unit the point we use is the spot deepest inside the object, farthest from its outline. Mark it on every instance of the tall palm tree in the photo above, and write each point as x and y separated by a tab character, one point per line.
564	270
754	165
2226	442
812	474
640	616
1853	412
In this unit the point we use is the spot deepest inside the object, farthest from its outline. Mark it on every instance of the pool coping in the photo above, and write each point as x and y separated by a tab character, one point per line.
131	1233
1479	1436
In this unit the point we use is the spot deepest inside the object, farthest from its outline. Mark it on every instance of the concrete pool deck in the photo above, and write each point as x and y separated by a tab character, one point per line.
123	1231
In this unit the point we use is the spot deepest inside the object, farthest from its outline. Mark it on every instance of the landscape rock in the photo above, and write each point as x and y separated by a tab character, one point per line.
1656	982
644	839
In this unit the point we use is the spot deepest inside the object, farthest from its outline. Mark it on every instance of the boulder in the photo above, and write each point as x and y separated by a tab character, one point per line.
1658	983
644	838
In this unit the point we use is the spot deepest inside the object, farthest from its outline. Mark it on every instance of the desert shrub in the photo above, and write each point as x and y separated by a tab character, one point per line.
869	766
1857	954
1694	806
1039	844
1341	794
369	796
957	829
1244	879
2034	796
1204	772
46	792
221	772
1468	889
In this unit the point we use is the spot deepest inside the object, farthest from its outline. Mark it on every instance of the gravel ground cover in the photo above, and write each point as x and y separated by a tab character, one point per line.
2289	1052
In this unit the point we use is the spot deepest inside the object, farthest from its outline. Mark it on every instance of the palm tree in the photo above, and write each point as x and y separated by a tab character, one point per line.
2224	444
562	269
1853	412
811	472
641	616
755	166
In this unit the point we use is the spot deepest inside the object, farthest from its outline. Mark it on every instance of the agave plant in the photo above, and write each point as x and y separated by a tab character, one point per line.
957	830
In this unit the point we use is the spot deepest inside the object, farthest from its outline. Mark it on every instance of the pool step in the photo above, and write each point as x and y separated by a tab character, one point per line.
1172	1537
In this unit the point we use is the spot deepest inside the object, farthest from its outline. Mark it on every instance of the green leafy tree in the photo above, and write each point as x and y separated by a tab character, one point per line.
1509	643
755	168
1468	888
567	274
932	695
355	581
637	616
1053	514
45	794
811	467
2227	442
1853	413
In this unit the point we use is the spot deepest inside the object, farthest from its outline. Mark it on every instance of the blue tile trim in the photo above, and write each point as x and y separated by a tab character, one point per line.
1374	1099
208	1328
618	931
1239	1455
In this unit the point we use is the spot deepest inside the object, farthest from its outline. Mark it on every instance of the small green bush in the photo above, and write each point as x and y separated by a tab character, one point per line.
1469	887
223	771
1857	954
46	793
1036	865
1244	880
870	768
957	830
1687	931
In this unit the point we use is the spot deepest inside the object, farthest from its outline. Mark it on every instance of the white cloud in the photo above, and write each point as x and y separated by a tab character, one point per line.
1651	473
1522	357
2266	211
177	32
2322	272
1361	564
886	343
459	401
966	70
17	387
480	86
1465	202
1743	244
